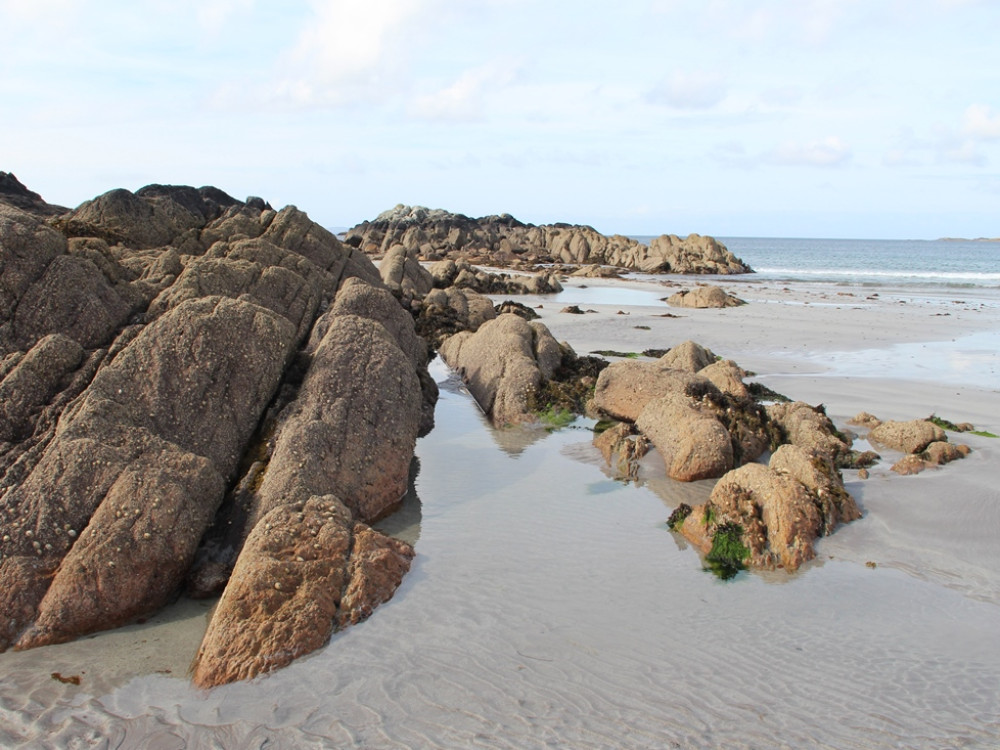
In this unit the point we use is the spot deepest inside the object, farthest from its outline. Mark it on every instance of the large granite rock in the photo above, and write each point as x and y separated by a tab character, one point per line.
306	569
444	312
403	275
702	297
505	242
625	387
352	428
775	514
159	347
909	437
141	463
689	356
693	443
504	364
810	428
772	514
699	430
13	193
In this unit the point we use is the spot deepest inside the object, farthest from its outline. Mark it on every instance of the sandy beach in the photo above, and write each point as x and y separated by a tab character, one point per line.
549	606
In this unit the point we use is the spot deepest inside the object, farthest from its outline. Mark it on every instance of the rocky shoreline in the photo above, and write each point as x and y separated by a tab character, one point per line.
200	393
505	242
209	396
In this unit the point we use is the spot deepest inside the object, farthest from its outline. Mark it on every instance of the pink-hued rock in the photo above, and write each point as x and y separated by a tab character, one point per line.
625	387
688	356
808	427
156	429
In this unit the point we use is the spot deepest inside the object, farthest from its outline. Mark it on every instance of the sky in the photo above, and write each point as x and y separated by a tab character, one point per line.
775	118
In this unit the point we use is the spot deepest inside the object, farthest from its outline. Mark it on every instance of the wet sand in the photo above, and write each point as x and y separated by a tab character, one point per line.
549	606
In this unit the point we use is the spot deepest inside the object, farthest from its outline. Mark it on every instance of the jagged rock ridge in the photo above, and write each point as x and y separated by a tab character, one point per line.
192	382
505	242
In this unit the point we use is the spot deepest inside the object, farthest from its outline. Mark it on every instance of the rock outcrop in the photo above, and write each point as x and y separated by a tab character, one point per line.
771	515
13	193
935	454
702	297
695	410
699	430
924	441
504	363
503	241
519	374
180	369
909	437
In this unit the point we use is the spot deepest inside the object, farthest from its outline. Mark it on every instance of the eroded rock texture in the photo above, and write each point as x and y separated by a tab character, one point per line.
695	410
172	354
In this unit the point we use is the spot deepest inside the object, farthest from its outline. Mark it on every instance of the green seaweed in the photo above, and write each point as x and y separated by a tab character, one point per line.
556	418
677	518
603	425
760	392
614	353
728	554
946	424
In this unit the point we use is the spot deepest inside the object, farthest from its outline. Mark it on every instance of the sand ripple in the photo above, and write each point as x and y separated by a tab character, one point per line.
540	613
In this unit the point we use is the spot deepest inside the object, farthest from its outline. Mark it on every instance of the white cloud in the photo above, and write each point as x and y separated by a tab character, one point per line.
697	89
831	151
981	123
782	96
35	10
964	152
807	22
346	52
466	99
213	15
899	157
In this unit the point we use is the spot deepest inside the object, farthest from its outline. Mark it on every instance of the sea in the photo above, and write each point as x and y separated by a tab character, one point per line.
908	263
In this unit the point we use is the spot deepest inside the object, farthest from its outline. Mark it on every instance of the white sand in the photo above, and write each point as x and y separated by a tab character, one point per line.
549	606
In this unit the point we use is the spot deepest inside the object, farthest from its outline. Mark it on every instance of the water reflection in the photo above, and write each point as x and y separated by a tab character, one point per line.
404	522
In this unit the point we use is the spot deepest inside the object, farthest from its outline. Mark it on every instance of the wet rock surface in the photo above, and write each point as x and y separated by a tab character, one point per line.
694	408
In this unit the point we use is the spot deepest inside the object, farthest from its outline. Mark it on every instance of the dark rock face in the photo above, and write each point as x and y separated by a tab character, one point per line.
13	193
145	339
505	242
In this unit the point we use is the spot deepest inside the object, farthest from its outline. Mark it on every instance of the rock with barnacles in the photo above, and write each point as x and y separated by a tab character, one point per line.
183	376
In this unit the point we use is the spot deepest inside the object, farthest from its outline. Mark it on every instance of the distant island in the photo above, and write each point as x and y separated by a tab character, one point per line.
968	239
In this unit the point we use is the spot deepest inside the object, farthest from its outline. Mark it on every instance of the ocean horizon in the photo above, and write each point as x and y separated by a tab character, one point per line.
909	263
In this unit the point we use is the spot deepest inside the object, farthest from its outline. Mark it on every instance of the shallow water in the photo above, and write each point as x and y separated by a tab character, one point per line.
972	360
549	606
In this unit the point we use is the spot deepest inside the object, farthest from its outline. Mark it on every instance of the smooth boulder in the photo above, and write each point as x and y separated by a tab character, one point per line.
504	363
